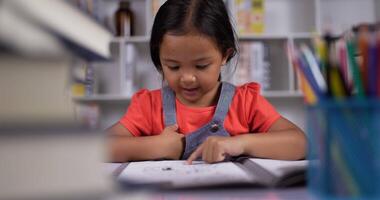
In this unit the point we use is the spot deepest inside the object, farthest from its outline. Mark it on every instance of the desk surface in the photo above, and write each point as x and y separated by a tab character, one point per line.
220	193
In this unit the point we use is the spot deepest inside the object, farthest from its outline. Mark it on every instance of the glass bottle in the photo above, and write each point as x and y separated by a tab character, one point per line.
124	20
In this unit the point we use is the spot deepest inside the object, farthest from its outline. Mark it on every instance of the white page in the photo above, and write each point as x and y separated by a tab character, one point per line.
280	167
181	174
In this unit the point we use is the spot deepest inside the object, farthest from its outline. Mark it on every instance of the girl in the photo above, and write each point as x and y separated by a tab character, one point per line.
196	115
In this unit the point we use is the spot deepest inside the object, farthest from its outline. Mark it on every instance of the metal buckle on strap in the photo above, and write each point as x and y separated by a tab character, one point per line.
214	128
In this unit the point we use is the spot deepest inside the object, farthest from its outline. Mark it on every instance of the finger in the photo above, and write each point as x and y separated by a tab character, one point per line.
218	154
171	128
195	155
205	151
209	149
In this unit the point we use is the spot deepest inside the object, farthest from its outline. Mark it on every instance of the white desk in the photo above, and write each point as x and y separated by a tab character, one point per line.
219	194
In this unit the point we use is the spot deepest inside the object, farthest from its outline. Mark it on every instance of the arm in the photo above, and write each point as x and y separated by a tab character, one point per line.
125	147
284	141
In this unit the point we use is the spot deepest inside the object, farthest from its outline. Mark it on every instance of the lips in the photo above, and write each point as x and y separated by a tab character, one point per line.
190	92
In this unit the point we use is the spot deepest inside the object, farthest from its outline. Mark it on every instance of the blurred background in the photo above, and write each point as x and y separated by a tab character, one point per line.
68	69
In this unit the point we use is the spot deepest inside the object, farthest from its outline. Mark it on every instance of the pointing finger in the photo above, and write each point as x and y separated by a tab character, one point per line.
195	155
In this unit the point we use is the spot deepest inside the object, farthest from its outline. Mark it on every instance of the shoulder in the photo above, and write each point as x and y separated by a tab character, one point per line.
248	97
142	112
248	90
147	99
145	95
259	112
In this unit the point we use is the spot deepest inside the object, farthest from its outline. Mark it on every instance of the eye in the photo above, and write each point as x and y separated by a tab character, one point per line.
202	66
173	67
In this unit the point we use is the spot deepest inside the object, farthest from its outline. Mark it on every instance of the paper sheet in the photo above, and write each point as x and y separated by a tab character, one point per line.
182	175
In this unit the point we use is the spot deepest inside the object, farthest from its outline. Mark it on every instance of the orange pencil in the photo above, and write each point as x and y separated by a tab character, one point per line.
310	97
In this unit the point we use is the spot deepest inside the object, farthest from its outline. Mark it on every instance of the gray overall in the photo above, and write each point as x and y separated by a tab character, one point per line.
214	127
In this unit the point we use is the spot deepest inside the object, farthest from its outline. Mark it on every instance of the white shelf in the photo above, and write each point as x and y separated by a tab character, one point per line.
266	36
146	39
303	35
282	94
263	37
105	97
133	39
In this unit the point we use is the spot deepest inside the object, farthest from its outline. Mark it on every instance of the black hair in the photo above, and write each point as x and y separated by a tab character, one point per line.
206	17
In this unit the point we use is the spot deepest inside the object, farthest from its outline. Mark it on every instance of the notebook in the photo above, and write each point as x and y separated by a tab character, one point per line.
172	174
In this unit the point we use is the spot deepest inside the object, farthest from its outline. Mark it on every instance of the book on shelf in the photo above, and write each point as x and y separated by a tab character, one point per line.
83	82
242	74
127	82
260	67
253	64
176	174
249	16
78	78
88	115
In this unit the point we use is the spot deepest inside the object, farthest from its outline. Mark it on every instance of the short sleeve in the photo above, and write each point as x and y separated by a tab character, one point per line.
138	117
261	113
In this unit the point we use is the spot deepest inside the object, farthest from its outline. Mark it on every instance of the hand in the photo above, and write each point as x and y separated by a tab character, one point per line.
172	141
216	148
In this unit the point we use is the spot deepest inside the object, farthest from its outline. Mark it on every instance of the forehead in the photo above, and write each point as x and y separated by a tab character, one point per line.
189	44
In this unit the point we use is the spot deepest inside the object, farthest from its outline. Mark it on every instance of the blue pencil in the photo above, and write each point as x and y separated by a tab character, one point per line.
305	68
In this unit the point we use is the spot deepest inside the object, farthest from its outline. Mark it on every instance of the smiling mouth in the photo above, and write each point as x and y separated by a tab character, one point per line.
190	91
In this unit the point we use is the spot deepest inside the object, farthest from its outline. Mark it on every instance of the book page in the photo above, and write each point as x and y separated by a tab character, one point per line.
180	174
280	167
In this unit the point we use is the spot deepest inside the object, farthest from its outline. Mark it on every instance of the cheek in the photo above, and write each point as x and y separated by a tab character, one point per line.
213	73
169	76
210	77
165	73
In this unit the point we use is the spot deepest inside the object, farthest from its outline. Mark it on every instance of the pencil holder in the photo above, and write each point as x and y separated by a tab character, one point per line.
344	150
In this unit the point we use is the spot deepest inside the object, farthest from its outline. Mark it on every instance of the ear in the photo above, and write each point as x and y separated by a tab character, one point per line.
227	55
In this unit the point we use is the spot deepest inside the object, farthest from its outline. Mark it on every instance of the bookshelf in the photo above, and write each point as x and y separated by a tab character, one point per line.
286	21
102	98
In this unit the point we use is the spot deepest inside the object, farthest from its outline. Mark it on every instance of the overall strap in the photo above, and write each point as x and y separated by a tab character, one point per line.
168	102
225	98
226	94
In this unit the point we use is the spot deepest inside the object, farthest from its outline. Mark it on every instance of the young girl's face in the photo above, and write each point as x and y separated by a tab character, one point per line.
191	65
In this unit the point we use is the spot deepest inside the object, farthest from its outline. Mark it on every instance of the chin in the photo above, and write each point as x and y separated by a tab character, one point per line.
191	100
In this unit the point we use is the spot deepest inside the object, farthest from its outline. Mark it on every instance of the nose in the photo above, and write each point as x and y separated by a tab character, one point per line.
188	78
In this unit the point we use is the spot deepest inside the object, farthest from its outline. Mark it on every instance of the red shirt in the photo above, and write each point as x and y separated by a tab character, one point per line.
249	112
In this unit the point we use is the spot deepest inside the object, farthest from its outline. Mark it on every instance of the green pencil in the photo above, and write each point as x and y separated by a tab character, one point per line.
355	69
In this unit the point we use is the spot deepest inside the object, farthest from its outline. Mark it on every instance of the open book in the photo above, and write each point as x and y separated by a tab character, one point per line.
243	171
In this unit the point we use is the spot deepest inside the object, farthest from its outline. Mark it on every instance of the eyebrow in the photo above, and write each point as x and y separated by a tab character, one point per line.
169	60
196	60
